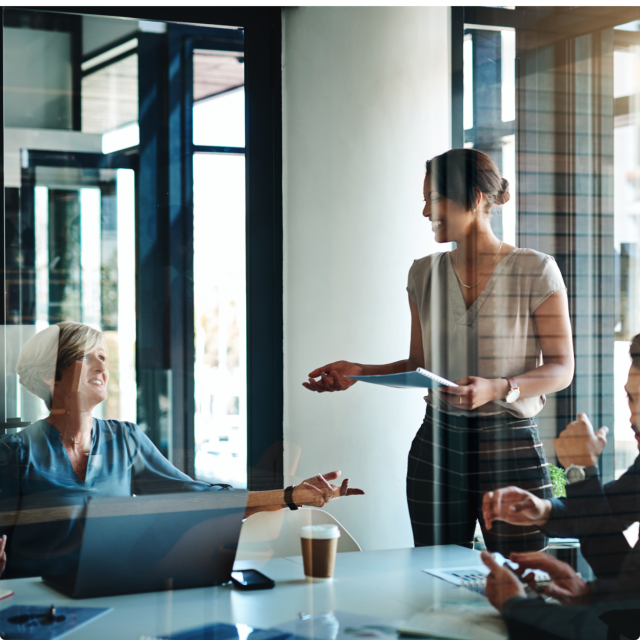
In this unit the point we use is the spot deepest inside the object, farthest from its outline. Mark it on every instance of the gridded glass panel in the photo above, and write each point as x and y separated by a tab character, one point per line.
626	89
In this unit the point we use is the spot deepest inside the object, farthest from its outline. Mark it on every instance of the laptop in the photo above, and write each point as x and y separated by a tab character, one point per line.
154	543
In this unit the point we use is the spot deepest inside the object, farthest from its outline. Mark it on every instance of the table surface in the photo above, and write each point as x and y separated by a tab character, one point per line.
388	583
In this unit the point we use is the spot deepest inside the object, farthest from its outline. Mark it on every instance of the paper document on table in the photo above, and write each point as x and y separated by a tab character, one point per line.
457	622
418	379
466	576
341	625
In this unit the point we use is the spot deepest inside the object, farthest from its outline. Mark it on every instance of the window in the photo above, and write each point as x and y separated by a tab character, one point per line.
118	217
489	108
626	64
575	162
219	267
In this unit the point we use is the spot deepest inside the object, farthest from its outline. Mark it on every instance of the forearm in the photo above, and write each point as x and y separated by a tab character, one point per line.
548	378
401	366
274	500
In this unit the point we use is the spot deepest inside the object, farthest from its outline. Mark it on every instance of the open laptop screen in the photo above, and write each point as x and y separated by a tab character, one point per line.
150	543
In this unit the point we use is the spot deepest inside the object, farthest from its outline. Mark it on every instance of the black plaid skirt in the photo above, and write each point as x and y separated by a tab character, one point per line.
455	460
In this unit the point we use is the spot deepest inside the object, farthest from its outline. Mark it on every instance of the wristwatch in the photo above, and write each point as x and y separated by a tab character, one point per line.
514	391
576	473
288	498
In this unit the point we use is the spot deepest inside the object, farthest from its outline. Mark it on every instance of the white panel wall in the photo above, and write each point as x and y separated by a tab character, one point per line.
366	103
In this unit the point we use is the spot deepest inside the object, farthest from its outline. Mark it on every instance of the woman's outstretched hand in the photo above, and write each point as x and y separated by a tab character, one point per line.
332	376
317	491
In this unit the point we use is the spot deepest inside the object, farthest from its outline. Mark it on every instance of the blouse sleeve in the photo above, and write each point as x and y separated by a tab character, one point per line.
546	282
151	472
411	285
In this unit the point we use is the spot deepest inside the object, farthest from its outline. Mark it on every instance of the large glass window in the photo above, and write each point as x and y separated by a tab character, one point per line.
219	268
626	90
108	224
489	108
70	209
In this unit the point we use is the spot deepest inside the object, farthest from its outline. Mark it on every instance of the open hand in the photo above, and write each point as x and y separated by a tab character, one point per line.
579	445
567	586
502	583
318	491
515	506
332	376
473	392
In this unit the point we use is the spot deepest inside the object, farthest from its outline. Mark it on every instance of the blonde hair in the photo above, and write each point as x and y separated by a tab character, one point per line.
47	354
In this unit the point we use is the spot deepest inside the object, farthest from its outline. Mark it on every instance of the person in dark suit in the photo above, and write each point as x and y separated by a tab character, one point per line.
595	514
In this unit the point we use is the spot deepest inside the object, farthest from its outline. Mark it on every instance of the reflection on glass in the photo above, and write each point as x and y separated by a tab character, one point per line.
110	93
489	109
509	213
72	256
468	81
85	268
626	88
508	64
220	318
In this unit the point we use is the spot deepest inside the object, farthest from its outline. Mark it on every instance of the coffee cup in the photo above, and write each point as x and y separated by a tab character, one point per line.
319	547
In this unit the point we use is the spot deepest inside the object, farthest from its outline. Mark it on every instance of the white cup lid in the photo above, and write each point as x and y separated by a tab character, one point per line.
320	531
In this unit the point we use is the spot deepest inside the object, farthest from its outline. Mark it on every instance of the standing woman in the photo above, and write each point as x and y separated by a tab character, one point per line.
494	318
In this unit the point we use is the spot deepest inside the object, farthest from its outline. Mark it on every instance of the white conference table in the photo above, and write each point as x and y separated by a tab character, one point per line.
389	584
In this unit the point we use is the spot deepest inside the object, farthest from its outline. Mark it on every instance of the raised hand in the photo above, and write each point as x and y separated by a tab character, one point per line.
332	377
318	491
579	445
515	506
567	586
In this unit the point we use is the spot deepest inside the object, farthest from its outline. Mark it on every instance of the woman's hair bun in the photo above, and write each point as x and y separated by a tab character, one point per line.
503	196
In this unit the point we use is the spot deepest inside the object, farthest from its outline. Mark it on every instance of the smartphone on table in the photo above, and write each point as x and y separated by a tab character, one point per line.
250	580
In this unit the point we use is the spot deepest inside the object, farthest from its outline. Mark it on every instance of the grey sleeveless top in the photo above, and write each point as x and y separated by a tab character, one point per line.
496	336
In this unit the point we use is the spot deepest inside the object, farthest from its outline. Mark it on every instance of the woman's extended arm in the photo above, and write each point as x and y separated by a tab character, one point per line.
332	376
313	492
555	374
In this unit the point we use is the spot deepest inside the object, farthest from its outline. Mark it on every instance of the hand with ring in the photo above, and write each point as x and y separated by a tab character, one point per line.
473	392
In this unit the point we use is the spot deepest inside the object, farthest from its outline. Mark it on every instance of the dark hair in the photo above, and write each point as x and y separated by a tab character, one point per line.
634	351
458	173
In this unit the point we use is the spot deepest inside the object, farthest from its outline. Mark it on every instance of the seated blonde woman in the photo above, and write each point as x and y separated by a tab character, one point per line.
71	456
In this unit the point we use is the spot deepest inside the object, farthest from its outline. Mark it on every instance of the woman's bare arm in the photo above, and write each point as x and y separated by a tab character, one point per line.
313	492
556	342
332	376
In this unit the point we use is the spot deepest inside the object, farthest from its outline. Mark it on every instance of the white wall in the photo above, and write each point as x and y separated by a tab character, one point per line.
366	103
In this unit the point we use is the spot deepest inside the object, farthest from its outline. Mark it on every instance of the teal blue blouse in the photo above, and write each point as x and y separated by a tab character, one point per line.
36	473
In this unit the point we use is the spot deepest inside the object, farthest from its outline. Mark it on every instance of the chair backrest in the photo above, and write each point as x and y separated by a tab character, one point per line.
276	534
